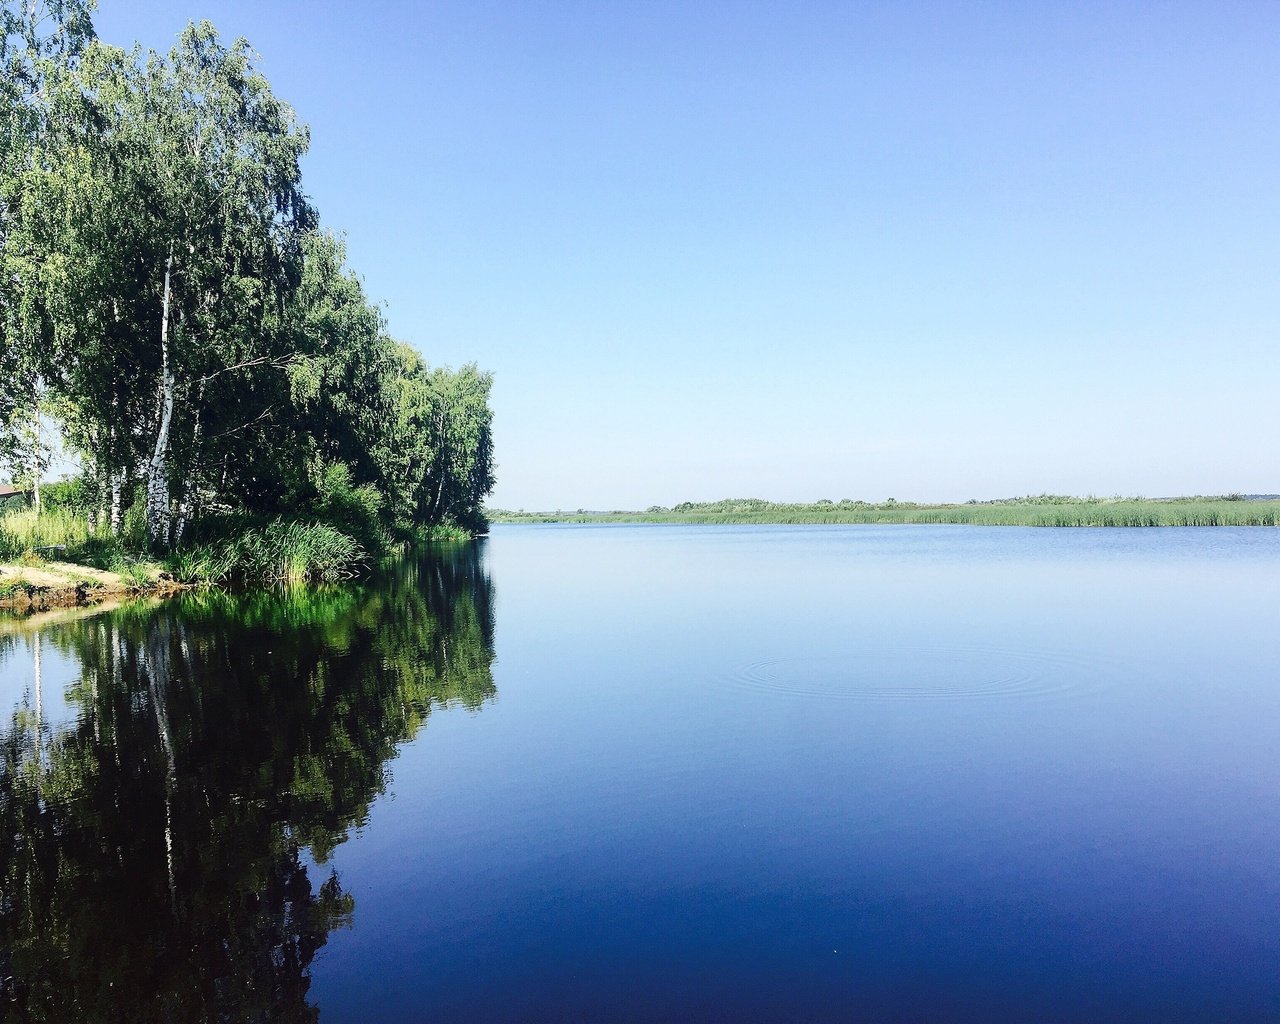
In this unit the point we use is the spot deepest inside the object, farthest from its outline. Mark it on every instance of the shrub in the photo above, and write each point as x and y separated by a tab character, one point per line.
354	510
74	496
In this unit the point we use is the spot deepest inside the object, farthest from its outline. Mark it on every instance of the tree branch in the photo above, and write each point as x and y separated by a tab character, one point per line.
279	362
265	414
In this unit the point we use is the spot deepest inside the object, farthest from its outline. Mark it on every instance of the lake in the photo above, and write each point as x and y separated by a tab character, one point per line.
662	773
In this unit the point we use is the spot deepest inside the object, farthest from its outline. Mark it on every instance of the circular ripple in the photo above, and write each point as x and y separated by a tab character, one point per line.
926	673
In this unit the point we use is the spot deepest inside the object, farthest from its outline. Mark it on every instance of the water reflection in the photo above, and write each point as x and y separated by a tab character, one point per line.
153	859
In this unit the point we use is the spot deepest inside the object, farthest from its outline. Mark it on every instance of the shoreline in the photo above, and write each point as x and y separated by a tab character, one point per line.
1078	513
36	588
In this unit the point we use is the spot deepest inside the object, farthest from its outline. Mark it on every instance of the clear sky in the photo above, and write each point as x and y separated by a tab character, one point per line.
932	251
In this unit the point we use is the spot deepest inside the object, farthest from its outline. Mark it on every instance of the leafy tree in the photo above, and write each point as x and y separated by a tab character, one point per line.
341	380
164	232
199	341
442	448
39	41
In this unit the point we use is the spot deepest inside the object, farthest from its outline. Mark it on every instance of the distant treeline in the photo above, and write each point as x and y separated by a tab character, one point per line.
172	314
1037	510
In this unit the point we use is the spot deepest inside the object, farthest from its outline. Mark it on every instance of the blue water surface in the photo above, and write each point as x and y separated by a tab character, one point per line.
847	773
898	773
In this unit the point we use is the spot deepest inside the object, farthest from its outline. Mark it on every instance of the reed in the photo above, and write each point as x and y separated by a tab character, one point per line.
292	551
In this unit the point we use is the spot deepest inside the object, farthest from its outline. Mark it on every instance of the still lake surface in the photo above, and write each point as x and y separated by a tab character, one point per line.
663	773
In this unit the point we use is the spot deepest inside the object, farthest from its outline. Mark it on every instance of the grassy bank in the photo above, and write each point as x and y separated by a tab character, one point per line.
41	556
1033	511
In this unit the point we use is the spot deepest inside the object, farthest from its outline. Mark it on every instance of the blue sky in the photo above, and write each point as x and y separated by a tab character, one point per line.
804	250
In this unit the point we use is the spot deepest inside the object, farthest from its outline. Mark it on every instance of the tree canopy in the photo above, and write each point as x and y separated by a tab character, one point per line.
170	302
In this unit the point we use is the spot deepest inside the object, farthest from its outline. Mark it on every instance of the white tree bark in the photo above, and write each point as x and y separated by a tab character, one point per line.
36	451
158	464
117	485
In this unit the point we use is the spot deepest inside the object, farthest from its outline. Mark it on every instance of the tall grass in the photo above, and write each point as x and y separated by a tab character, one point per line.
276	552
298	551
438	533
22	531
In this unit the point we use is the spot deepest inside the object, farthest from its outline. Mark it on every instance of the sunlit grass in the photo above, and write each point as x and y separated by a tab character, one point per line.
275	550
23	531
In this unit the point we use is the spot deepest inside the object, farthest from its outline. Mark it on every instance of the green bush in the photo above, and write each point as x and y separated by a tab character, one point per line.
354	510
74	496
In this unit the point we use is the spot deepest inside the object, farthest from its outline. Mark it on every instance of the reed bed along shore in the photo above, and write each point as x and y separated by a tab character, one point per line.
1032	512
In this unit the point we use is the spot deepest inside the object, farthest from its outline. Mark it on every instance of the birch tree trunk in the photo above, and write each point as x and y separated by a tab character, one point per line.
158	464
117	485
186	501
98	510
36	453
35	487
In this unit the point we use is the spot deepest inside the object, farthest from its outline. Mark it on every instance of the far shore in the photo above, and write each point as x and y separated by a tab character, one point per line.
1044	510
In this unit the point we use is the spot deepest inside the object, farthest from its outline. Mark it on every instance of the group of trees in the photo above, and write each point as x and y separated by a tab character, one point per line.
169	301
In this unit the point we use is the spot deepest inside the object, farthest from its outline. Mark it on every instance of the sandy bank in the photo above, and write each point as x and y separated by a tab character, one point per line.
63	584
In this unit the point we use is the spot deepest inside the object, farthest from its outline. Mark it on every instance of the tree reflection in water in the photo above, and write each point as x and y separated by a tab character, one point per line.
151	861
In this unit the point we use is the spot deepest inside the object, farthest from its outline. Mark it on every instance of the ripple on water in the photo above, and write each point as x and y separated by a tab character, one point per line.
928	674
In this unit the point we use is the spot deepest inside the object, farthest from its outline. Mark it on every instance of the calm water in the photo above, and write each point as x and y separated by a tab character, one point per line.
663	774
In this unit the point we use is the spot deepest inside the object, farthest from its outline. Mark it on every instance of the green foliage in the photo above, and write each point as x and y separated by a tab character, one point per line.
11	588
297	551
135	575
441	449
101	550
74	496
152	218
39	41
240	547
23	530
355	510
202	565
133	531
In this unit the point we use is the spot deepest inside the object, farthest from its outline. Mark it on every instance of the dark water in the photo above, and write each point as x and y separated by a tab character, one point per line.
663	774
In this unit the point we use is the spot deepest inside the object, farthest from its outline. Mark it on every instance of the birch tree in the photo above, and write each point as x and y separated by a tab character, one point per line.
229	218
162	236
